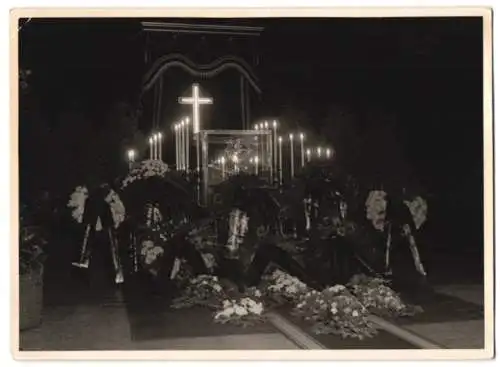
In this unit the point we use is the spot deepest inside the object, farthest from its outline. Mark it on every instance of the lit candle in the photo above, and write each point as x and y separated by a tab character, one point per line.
268	156
308	152
151	148
327	153
275	146
187	144
177	158
235	161
256	161
183	146
302	149
131	158
160	136
155	144
280	159
291	157
223	166
262	148
319	152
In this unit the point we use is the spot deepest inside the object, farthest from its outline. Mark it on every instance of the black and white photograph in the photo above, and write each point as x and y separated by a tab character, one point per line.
284	181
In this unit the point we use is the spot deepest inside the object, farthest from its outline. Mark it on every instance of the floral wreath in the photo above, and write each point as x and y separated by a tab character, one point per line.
79	198
148	168
376	206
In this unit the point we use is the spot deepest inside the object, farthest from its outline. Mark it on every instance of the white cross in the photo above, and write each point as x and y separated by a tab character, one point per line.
196	101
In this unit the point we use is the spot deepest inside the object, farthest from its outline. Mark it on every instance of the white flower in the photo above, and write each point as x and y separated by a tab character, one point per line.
355	313
258	293
376	205
240	311
257	308
334	310
337	288
217	288
226	303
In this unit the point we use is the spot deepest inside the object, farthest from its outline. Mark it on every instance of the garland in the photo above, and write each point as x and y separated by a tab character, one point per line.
146	169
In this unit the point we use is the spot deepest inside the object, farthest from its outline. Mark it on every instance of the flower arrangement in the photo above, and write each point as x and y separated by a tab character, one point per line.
243	312
77	202
335	311
31	253
376	206
376	295
204	290
150	254
148	168
280	287
418	209
79	198
117	207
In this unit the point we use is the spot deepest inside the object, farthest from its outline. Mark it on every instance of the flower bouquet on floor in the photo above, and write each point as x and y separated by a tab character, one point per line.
281	288
204	290
246	311
335	311
376	295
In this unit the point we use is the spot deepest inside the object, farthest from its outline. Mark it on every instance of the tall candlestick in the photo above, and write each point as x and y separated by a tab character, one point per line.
302	149
308	153
131	158
188	143
256	161
235	161
327	153
261	140
292	163
155	140
177	147
151	148
275	146
269	154
280	160
183	146
160	137
319	152
223	166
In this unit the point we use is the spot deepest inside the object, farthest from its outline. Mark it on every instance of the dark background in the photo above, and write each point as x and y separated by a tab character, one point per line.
398	98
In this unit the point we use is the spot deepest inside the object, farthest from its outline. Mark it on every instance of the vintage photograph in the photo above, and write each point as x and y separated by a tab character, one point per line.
252	183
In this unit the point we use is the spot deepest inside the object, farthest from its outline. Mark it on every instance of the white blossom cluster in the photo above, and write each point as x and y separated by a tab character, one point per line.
376	206
207	281
245	306
284	282
77	202
150	252
116	206
148	168
418	209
